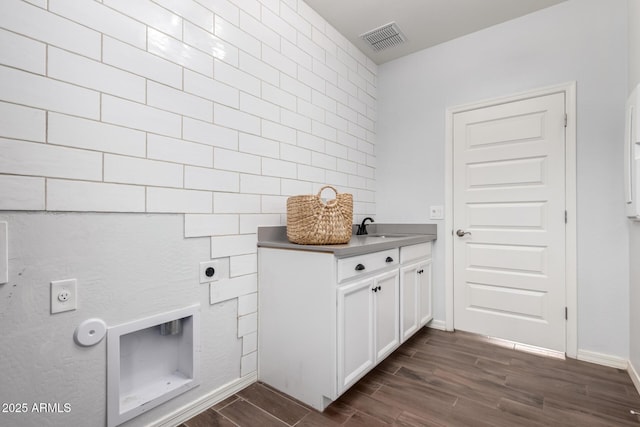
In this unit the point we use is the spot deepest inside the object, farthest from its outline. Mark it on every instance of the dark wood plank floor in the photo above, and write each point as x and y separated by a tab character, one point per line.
451	379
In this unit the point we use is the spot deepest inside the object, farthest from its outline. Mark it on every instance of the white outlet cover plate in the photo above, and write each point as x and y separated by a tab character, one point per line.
436	212
58	286
221	265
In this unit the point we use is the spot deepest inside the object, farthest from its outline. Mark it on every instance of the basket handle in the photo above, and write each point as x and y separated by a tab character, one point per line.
330	202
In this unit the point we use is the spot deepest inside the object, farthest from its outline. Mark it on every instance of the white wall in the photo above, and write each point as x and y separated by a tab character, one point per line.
128	266
585	41
173	119
634	227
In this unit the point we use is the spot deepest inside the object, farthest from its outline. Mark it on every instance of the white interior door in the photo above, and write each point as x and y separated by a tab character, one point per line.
509	201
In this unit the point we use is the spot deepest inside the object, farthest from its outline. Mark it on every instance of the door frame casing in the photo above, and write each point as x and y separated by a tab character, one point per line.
571	289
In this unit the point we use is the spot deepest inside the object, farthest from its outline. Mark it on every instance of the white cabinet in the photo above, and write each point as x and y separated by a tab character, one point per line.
415	289
367	328
325	322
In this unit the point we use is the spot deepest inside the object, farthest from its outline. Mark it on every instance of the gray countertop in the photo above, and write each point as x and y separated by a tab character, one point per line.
380	237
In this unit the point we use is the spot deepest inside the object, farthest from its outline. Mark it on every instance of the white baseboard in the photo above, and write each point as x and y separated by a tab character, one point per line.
634	376
194	408
602	359
437	324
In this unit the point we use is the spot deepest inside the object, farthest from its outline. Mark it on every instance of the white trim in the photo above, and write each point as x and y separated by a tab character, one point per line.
634	376
569	89
603	359
448	220
437	324
571	230
192	409
532	349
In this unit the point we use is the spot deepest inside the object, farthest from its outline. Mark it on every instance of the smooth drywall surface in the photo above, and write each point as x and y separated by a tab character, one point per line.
634	227
213	110
582	41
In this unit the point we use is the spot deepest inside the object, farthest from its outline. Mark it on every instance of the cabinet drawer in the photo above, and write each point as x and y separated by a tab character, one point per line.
409	253
365	264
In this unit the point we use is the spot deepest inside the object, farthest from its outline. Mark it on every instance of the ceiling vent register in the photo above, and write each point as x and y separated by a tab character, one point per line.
384	37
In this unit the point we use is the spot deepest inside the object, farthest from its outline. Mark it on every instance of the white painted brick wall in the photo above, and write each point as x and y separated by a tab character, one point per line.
259	146
216	109
140	62
65	195
76	69
37	159
207	133
28	20
210	179
236	203
249	343
247	324
169	200
21	122
177	150
247	304
250	222
21	192
180	53
210	225
222	246
93	135
138	116
130	170
233	288
48	94
209	88
23	53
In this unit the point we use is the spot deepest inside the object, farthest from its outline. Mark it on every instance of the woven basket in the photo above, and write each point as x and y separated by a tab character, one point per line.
312	222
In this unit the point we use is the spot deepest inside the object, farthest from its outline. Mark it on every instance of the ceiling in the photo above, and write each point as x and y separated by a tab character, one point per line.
425	23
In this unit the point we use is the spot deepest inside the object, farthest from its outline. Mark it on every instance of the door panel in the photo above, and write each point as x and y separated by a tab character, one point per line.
355	337
424	285
501	130
409	301
387	328
415	298
523	215
506	173
507	258
503	299
508	186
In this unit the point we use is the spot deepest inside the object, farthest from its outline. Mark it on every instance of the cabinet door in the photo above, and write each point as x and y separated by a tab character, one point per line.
355	332
410	310
387	307
426	302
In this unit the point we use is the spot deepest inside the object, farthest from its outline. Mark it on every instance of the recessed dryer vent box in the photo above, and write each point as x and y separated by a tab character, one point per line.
150	361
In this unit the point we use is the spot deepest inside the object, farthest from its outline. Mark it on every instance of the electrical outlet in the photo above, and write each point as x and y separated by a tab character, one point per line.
213	270
436	212
63	295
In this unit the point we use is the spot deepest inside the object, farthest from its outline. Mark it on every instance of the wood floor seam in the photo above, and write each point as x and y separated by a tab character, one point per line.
451	379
